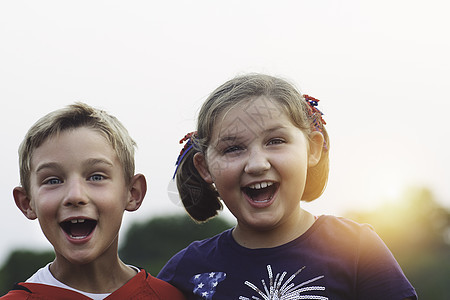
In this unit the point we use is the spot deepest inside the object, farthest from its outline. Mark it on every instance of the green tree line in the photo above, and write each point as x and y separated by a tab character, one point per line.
415	228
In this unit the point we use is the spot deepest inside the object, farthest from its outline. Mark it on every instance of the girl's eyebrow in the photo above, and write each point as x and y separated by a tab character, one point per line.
275	128
224	139
234	138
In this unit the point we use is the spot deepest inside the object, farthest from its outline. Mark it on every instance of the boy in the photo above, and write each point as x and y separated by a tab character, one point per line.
77	178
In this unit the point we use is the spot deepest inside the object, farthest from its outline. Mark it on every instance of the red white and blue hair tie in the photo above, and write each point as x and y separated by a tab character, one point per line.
314	113
188	146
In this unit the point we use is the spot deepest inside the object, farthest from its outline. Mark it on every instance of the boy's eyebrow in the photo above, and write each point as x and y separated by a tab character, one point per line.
98	161
88	162
49	165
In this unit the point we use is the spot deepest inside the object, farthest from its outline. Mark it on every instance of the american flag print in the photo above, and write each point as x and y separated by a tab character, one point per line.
205	284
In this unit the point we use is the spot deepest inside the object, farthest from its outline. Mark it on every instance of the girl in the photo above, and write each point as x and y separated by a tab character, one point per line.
261	147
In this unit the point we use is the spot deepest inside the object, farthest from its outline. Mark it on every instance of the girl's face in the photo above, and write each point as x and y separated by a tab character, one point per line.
258	160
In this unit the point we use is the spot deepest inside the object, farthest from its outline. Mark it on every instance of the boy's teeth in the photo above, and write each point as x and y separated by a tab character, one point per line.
77	221
77	237
260	185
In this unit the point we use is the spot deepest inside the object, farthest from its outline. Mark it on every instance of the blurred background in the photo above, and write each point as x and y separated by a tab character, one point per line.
380	68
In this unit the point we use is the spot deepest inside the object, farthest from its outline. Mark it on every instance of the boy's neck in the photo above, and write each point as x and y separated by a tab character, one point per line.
100	276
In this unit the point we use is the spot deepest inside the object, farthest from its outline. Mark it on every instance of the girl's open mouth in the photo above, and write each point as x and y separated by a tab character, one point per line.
261	192
78	228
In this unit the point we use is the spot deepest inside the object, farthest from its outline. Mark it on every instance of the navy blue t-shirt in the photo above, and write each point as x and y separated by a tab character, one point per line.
335	259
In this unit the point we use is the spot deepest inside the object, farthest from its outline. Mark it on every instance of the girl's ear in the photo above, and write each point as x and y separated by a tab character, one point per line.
202	167
138	189
315	148
23	202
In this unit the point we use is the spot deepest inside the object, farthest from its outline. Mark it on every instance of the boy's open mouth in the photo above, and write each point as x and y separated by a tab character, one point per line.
78	228
261	192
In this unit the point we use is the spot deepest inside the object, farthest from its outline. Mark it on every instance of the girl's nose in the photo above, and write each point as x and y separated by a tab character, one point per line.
75	193
257	163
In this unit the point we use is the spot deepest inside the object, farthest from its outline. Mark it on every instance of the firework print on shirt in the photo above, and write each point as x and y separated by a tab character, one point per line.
276	289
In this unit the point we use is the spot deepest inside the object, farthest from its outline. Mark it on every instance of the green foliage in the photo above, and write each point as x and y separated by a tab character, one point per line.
20	265
417	231
151	244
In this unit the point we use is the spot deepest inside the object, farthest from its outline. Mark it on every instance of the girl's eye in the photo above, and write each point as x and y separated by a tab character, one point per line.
53	181
232	149
96	177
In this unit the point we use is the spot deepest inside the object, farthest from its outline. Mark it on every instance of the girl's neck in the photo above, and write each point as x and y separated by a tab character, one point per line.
92	277
268	238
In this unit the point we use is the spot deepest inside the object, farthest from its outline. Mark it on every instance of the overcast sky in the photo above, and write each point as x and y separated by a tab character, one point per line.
380	68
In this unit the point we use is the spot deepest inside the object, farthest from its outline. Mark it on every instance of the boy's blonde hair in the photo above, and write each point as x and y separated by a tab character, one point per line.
71	117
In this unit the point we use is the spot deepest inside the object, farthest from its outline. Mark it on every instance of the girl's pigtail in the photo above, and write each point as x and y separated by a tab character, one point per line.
199	198
317	177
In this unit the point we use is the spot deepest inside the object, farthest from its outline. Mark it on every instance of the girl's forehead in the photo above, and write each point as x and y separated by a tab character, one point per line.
263	106
250	116
256	109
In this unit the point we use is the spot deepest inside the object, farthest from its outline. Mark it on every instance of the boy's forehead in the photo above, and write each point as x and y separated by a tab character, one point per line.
72	143
75	133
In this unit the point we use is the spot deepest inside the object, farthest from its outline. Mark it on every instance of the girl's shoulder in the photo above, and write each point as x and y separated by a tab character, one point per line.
209	243
195	252
344	234
340	224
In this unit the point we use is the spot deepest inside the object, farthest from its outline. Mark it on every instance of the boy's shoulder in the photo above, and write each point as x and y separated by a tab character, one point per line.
31	291
141	286
146	286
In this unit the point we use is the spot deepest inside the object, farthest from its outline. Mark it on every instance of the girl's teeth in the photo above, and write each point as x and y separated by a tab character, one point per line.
261	185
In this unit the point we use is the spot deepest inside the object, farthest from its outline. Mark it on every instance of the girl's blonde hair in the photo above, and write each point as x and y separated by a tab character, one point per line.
200	199
71	117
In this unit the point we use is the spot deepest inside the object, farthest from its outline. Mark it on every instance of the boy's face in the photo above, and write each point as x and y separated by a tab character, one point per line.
78	193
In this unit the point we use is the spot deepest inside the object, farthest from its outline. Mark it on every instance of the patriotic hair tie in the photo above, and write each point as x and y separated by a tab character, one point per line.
314	113
188	146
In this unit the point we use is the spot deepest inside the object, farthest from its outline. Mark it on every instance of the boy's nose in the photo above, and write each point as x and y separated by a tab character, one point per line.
257	163
75	193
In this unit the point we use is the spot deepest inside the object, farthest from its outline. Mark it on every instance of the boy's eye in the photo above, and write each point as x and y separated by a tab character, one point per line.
275	141
53	181
96	177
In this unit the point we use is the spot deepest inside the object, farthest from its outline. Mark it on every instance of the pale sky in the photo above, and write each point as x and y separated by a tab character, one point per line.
380	68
